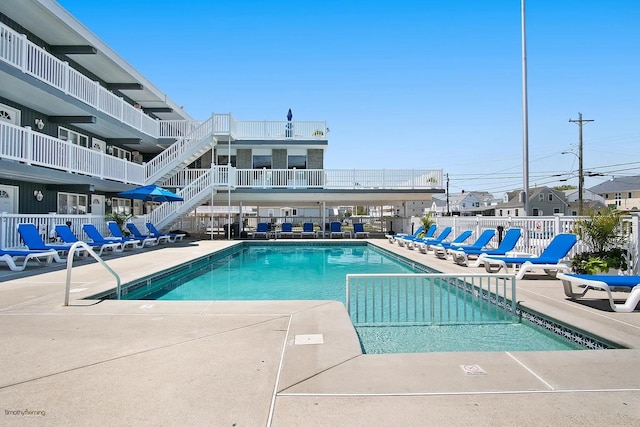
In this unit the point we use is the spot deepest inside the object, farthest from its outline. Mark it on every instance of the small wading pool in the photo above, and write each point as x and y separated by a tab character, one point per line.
317	272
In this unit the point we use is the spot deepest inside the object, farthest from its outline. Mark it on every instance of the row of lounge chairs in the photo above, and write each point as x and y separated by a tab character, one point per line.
46	253
308	231
504	256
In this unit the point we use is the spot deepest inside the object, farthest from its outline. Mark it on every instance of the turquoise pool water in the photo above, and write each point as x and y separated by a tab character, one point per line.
318	273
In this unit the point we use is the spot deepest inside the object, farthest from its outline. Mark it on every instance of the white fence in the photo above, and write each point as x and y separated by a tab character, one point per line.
432	299
10	238
538	231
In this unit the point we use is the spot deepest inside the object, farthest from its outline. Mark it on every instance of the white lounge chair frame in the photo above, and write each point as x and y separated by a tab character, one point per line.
627	307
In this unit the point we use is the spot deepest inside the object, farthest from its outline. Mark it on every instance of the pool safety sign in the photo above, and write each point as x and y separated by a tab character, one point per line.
473	370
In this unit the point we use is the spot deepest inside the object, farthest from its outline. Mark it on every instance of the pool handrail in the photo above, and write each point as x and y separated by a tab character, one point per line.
95	256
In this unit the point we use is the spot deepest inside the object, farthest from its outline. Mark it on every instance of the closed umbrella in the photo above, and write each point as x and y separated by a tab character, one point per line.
289	125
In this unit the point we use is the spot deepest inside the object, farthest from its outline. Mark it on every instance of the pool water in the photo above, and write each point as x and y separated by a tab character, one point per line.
477	337
318	273
277	273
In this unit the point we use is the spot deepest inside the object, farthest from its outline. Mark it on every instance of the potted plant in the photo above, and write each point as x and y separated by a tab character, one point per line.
120	219
604	235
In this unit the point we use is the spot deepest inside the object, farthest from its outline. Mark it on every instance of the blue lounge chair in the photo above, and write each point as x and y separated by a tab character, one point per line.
393	237
508	244
425	244
308	230
12	257
31	238
116	232
262	230
138	235
604	283
153	232
336	229
403	239
286	230
68	236
549	260
96	237
358	230
440	250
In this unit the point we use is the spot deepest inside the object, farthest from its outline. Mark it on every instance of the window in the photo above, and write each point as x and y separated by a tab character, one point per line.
262	161
73	137
517	212
298	162
629	196
500	212
119	152
541	197
550	198
535	212
70	203
224	160
120	205
618	197
556	210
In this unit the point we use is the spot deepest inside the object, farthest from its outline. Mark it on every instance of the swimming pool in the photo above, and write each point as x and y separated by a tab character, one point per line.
317	272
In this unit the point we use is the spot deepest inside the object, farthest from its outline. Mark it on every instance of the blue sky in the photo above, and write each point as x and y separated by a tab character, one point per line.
433	84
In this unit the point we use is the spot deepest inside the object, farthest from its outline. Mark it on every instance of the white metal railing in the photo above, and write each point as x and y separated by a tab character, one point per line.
340	178
31	147
432	299
273	130
179	152
193	194
18	51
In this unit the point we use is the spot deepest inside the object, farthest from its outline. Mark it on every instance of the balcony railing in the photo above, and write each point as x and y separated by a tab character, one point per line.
17	50
342	179
35	148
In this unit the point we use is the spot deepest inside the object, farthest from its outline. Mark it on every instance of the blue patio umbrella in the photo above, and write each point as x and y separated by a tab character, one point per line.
151	193
289	115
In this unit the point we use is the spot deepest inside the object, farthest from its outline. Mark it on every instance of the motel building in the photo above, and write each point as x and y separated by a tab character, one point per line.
78	125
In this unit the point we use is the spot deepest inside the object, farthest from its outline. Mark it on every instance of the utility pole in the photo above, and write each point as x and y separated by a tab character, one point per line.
448	213
580	122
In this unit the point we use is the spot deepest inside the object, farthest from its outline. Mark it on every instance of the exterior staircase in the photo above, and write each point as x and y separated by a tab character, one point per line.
193	194
181	153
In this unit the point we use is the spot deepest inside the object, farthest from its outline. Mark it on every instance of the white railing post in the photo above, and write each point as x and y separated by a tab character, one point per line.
28	144
23	52
65	77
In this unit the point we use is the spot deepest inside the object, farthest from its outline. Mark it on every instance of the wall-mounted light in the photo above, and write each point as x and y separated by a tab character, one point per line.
108	202
39	123
38	195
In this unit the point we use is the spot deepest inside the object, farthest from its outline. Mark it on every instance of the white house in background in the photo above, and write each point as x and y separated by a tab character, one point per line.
622	192
573	196
464	203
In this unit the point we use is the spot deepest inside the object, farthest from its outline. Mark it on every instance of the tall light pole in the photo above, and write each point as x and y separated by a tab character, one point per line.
580	121
525	118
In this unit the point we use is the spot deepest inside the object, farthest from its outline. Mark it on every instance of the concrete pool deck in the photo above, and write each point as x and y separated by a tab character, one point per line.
258	363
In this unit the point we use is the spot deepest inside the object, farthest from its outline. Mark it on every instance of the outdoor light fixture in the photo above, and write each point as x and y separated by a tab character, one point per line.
38	195
39	123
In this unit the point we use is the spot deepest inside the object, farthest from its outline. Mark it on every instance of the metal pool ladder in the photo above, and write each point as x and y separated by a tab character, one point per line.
95	256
